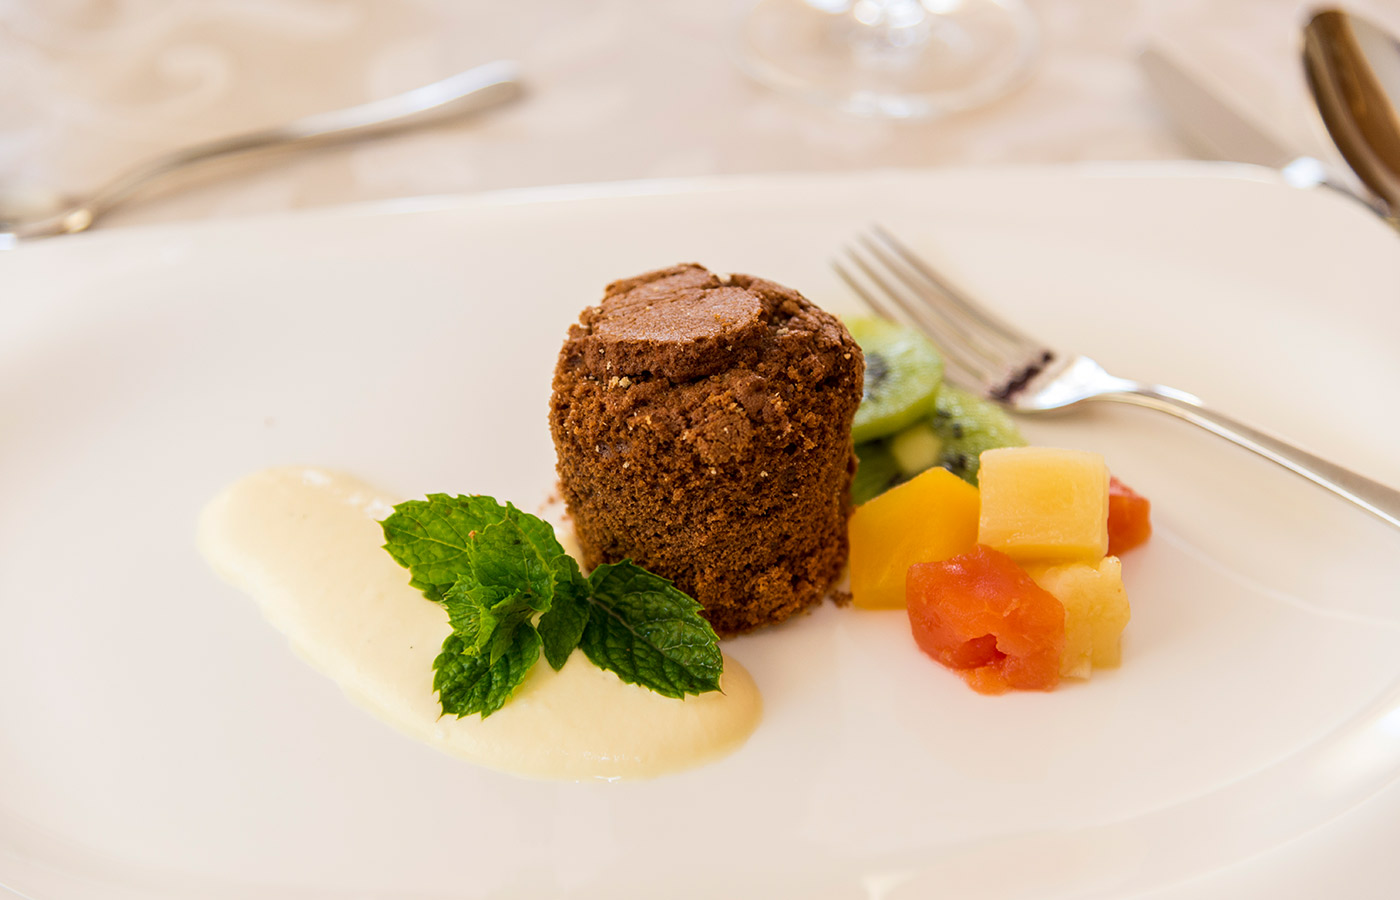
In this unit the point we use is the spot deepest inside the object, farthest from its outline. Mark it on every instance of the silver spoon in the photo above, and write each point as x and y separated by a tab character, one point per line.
1353	70
465	92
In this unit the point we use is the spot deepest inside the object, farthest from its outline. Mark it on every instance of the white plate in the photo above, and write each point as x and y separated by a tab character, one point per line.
160	740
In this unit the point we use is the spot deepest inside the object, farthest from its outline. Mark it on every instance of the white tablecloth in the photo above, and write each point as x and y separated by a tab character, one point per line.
620	89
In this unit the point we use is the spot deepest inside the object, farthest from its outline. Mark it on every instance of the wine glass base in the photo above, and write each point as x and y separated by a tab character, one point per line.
901	60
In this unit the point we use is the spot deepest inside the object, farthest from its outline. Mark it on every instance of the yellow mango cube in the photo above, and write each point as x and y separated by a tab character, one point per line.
1044	504
927	519
1096	611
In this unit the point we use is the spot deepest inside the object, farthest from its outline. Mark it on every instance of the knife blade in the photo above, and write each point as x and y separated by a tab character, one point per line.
1219	124
1214	121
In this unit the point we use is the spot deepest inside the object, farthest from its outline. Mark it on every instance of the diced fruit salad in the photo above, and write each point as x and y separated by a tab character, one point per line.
1005	556
910	419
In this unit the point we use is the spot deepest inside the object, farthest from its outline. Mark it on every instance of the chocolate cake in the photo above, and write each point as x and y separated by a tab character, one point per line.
703	430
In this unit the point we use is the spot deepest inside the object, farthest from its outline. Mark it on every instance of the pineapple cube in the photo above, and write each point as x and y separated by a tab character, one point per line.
928	519
1096	611
1044	504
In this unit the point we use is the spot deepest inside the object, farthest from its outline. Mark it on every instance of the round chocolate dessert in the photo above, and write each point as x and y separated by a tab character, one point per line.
703	429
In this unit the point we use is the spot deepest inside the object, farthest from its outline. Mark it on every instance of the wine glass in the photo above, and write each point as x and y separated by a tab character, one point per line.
899	59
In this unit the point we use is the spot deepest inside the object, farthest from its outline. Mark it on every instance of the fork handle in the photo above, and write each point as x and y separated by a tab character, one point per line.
1378	499
466	92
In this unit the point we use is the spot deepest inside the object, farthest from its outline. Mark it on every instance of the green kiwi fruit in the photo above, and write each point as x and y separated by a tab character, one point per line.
916	448
967	425
877	472
961	427
902	374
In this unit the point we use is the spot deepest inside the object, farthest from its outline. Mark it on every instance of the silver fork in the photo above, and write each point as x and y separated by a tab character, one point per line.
986	354
465	92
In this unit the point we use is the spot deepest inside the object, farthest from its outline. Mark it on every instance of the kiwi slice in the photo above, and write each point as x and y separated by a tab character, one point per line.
916	448
877	472
902	374
967	425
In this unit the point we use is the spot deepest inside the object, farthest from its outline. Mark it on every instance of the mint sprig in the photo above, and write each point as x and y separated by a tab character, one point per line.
561	627
649	632
512	593
486	617
431	537
468	683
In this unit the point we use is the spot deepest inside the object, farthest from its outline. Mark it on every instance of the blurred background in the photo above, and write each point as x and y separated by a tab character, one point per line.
618	89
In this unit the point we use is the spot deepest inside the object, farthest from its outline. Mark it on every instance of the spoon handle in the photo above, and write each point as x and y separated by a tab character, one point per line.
463	93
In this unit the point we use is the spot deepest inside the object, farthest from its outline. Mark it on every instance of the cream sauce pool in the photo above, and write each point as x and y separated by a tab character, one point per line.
306	544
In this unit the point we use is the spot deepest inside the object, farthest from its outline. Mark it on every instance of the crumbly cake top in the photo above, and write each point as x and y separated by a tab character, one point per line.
685	323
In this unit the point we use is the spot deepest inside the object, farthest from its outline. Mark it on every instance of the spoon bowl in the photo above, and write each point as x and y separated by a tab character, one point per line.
1353	70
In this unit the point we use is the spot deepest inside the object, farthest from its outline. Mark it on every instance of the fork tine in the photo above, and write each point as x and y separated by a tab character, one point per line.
870	298
920	315
963	335
976	357
979	350
959	367
973	310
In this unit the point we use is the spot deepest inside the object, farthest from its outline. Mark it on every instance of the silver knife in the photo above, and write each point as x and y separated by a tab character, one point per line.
1218	125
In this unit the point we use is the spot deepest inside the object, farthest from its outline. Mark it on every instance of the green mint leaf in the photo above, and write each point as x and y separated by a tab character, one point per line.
536	532
516	553
562	627
486	616
470	683
431	537
510	622
469	610
436	538
496	568
643	628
